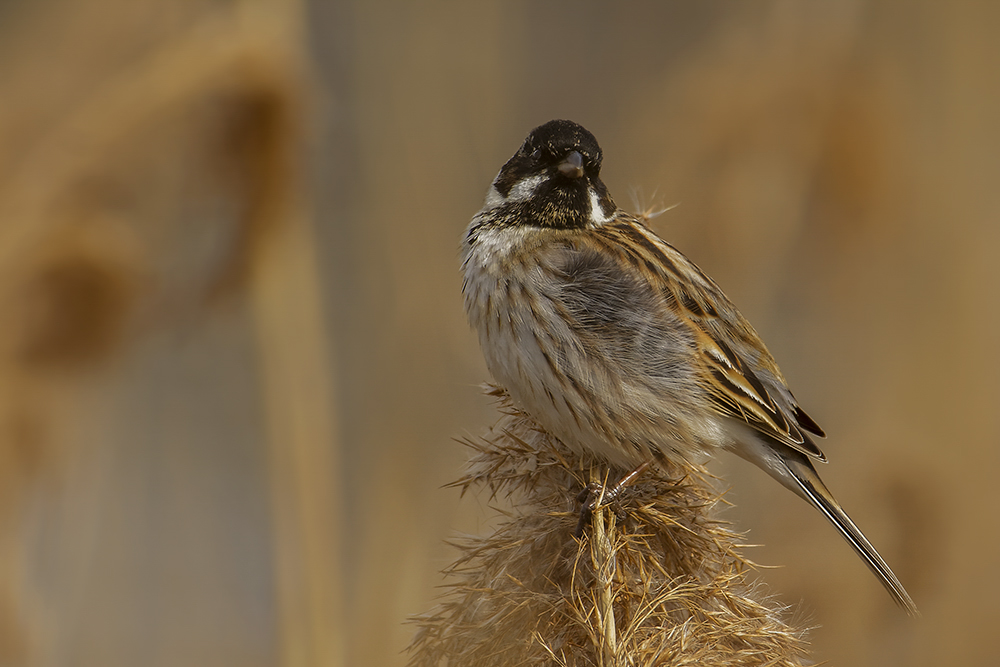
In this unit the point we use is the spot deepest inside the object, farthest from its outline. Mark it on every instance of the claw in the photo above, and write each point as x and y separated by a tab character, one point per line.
595	493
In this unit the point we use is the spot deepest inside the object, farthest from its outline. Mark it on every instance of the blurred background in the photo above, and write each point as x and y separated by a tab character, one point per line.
233	357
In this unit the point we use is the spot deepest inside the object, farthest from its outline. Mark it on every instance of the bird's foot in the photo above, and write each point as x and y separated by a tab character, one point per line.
596	494
591	497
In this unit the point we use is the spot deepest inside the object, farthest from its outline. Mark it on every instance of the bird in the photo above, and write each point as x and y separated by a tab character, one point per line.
619	345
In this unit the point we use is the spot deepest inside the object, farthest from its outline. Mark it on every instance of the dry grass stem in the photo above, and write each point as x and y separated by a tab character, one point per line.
654	580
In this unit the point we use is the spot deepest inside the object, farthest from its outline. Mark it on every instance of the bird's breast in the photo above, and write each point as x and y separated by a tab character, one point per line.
585	350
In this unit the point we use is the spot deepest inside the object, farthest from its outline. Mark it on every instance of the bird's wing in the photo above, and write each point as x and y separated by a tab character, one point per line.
738	391
739	374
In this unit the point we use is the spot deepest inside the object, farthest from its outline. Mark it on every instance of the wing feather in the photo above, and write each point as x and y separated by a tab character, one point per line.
747	386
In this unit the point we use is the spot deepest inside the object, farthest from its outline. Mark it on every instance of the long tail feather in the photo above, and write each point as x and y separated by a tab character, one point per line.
812	488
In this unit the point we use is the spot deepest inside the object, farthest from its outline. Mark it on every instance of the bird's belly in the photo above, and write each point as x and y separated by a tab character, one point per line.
577	394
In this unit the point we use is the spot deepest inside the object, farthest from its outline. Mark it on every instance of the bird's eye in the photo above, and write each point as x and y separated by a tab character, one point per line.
536	154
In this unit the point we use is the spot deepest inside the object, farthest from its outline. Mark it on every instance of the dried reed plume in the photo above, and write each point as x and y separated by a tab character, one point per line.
655	580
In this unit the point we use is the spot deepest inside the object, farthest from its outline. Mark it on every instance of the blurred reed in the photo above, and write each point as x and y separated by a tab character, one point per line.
196	137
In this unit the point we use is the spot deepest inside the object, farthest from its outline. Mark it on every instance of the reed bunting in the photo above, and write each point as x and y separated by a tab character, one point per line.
616	343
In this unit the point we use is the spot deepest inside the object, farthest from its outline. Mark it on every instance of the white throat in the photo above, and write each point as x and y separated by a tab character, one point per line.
597	214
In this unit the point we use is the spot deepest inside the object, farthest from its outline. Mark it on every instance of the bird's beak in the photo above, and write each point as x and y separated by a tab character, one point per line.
572	166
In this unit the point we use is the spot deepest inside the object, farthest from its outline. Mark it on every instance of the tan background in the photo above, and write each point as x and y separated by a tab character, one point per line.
232	352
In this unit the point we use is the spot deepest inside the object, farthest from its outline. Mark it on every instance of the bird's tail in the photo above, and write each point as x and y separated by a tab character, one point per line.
794	470
805	482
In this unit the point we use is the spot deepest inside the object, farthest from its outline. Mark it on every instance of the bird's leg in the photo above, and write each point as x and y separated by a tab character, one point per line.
596	494
627	480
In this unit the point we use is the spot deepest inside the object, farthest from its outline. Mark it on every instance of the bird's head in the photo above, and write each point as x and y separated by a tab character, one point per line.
554	180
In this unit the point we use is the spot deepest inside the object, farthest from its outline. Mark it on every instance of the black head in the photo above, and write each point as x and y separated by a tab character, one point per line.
554	179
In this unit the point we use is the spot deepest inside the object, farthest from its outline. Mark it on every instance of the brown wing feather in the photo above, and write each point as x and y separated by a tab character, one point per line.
731	379
738	392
